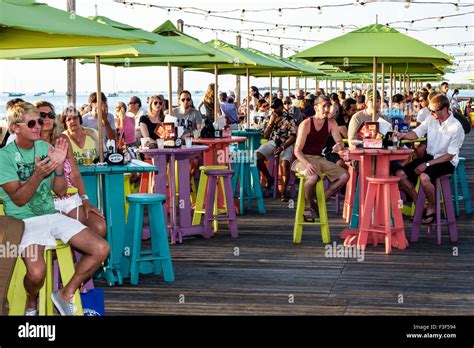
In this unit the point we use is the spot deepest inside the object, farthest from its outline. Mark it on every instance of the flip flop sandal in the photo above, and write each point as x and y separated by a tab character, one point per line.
429	219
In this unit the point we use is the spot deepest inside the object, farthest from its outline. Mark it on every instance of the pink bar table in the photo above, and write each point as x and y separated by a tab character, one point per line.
218	153
161	157
366	158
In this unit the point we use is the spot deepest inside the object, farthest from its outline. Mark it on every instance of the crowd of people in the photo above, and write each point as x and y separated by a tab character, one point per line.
41	183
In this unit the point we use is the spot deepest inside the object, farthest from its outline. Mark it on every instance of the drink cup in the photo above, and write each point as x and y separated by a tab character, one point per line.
197	133
88	158
189	142
160	143
145	142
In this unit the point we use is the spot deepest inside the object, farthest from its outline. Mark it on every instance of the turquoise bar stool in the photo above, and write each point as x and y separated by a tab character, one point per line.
459	175
159	256
247	175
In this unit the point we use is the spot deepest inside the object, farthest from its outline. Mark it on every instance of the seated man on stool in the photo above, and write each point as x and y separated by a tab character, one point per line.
31	168
445	137
313	134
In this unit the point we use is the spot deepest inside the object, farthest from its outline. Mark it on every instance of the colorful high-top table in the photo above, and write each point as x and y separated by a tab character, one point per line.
368	158
104	186
161	158
218	152
254	137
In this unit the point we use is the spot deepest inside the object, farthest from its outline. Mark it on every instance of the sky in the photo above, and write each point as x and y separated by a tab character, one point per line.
35	76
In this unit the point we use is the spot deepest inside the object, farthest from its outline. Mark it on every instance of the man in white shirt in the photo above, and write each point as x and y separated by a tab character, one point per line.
90	120
445	138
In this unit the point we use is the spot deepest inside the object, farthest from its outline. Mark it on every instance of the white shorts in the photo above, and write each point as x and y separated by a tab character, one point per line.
270	146
66	205
45	229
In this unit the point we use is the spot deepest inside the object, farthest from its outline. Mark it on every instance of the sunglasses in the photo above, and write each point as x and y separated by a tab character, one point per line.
132	103
434	111
157	103
185	99
32	123
49	115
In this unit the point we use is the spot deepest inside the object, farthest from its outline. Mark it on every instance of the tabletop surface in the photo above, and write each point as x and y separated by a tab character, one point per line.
134	166
247	132
361	151
209	141
174	150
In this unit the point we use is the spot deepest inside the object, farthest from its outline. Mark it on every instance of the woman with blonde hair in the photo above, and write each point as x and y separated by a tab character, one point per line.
154	117
125	126
208	102
75	203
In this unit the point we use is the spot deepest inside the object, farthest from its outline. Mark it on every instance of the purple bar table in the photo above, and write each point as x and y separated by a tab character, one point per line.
162	157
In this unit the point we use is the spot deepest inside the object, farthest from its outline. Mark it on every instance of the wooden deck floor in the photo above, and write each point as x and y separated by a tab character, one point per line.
424	279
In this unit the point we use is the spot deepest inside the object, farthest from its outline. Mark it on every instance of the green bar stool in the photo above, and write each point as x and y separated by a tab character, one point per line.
159	257
460	175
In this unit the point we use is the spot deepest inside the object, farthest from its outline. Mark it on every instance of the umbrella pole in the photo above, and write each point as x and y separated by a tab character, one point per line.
248	98
383	87
216	97
327	90
305	84
391	87
374	89
316	88
170	91
289	86
271	89
99	109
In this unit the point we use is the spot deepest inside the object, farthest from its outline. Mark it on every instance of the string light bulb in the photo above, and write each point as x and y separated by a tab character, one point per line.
168	12
320	10
207	15
467	28
440	19
407	3
280	13
456	7
242	13
411	23
310	29
343	29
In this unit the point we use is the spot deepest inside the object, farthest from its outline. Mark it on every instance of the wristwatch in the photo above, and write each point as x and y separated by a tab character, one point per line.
84	197
427	164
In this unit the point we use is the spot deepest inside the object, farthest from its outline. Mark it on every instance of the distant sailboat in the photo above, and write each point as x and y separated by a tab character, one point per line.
12	94
52	92
112	95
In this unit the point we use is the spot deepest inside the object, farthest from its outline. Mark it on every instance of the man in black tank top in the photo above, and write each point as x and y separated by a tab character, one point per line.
309	161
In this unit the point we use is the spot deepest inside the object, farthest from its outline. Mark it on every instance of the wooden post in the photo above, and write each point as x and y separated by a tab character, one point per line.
330	86
248	98
170	91
271	89
237	78
344	85
305	84
316	85
297	83
374	89
383	87
99	108
399	84
391	87
280	80
289	86
71	66
180	72
326	91
216	93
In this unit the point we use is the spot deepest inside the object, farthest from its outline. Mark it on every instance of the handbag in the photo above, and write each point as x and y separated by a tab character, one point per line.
93	302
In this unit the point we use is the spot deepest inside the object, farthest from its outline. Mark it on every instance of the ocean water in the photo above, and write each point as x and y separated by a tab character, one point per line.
59	100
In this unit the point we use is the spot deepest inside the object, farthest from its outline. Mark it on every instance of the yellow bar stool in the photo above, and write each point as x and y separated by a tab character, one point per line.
300	206
199	210
16	295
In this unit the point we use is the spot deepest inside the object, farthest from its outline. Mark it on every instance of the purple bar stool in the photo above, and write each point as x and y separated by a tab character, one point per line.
213	176
442	187
57	282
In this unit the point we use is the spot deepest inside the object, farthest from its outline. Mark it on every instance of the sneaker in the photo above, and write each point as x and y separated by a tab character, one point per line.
31	312
64	308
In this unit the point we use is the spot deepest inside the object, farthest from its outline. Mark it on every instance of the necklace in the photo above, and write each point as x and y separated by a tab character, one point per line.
24	160
77	138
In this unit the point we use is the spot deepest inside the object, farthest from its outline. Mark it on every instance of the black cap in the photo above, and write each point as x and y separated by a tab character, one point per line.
276	103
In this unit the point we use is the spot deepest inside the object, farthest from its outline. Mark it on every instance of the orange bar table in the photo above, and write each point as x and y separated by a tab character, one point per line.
366	158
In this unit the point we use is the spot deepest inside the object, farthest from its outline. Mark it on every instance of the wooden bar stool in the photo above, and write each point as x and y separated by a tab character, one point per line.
300	206
247	175
159	255
224	175
443	195
17	294
382	192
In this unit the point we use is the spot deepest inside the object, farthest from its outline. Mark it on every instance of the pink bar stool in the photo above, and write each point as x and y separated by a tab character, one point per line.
230	216
442	187
383	197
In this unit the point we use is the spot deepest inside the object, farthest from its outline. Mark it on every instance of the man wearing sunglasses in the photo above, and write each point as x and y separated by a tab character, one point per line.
90	120
135	111
445	138
188	117
31	168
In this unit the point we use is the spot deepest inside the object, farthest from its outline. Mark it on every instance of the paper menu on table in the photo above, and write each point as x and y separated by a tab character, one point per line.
384	126
171	119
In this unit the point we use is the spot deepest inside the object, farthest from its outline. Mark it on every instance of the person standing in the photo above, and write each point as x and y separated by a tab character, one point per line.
90	120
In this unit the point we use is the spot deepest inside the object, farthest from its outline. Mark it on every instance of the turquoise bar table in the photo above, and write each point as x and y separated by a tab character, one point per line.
104	186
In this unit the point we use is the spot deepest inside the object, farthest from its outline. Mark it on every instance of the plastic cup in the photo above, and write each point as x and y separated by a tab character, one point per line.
188	142
197	133
145	143
160	143
88	158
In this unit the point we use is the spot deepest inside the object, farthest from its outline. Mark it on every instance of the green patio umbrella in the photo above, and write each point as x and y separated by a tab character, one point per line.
372	44
28	24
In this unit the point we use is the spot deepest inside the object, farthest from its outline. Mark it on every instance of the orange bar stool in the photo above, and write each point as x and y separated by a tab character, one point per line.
383	198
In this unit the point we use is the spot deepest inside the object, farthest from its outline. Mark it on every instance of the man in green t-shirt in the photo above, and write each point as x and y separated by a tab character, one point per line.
30	169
